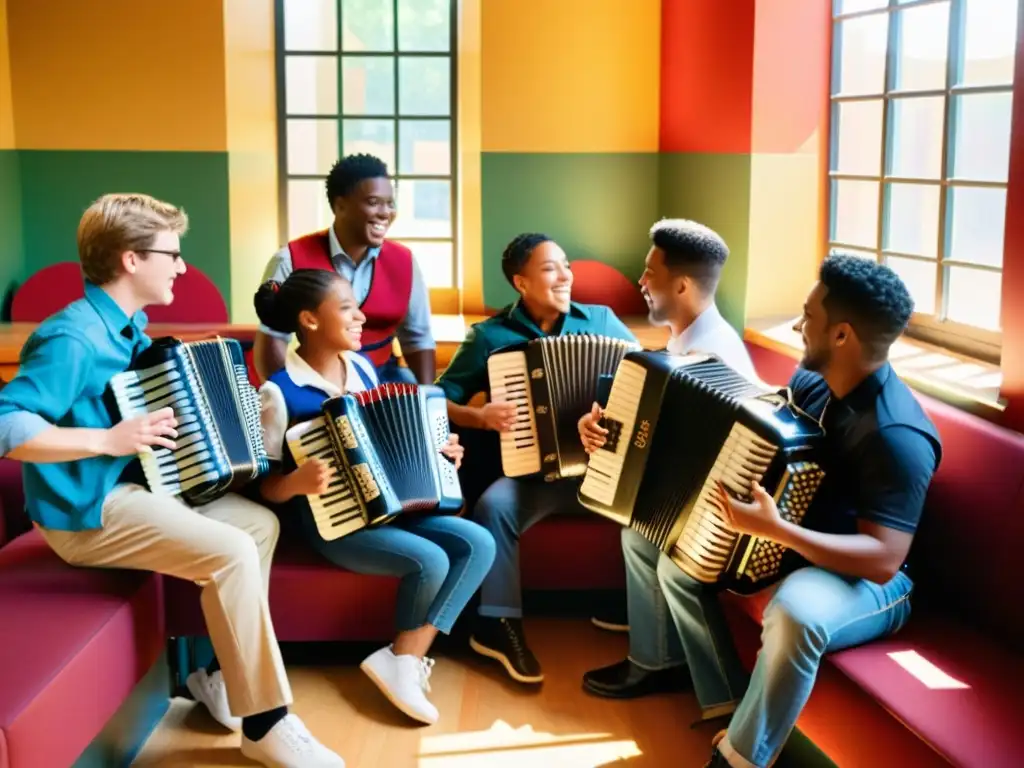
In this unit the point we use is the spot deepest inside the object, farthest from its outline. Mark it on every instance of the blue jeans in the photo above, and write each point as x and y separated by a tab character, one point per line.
506	509
441	561
675	620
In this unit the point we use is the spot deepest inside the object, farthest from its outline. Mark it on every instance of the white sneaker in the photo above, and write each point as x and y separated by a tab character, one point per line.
405	680
289	744
210	691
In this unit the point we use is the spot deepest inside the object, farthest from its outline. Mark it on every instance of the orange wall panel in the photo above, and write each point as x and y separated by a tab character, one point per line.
707	49
118	75
6	104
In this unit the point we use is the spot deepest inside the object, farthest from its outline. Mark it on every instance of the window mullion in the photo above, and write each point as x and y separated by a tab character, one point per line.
950	118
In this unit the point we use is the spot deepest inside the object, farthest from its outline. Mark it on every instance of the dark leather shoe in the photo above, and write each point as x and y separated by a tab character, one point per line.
626	680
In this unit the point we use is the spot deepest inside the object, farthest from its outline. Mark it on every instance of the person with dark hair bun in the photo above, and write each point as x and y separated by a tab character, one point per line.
440	559
846	580
386	281
538	269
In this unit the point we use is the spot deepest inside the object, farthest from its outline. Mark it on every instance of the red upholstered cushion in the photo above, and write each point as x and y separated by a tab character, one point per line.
73	644
310	600
974	717
595	282
572	551
196	300
47	291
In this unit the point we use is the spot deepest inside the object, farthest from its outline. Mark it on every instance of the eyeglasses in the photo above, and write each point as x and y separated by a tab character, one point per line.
176	255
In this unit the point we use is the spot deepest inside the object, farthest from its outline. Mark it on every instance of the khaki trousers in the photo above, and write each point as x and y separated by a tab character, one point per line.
226	548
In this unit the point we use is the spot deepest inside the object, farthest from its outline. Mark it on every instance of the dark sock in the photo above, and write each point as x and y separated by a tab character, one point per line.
213	666
255	727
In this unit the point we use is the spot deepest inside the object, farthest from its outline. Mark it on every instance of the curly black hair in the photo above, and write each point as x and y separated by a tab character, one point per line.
349	171
869	296
691	249
517	253
278	305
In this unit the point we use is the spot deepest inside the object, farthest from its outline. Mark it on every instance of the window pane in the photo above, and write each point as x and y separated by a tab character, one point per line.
423	25
990	35
311	85
924	36
982	147
424	147
913	219
312	146
917	130
377	137
975	297
368	85
855	212
307	207
861	45
852	6
859	145
919	277
435	262
977	222
311	25
423	85
424	209
367	25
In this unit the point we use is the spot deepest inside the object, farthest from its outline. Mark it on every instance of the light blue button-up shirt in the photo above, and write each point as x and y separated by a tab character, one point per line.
65	367
413	330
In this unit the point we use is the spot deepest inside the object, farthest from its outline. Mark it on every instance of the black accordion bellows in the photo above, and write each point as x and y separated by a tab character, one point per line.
552	381
382	446
220	439
678	425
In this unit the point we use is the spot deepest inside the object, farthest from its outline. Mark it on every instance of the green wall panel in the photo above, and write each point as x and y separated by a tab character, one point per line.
57	186
597	206
713	189
11	247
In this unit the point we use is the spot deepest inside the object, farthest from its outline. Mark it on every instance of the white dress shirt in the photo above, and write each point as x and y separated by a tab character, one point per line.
710	334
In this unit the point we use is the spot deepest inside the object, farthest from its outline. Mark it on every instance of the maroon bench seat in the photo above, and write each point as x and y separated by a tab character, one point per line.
74	643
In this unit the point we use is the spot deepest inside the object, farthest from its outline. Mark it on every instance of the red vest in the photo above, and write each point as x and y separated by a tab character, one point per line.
390	288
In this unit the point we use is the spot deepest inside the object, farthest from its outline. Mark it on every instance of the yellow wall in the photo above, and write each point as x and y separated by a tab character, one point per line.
6	102
251	111
132	84
570	75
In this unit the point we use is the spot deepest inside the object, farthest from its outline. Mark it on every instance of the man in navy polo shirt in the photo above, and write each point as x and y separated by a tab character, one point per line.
848	584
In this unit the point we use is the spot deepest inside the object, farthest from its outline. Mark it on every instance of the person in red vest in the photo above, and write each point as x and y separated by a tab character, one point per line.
384	275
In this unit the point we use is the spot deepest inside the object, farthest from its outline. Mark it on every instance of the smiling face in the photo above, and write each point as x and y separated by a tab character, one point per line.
366	213
337	323
154	269
823	341
545	281
661	288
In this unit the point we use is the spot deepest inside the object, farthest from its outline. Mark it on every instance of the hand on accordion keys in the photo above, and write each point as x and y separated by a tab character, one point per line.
592	434
141	433
454	450
499	417
310	479
759	517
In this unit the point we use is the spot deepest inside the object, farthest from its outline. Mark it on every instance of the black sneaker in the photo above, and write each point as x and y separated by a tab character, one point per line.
504	640
625	680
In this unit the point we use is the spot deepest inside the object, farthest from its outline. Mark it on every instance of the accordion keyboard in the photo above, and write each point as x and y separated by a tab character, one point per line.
705	546
509	382
337	511
605	468
191	462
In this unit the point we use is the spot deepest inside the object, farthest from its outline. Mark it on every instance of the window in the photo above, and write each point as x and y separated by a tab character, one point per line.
921	108
373	76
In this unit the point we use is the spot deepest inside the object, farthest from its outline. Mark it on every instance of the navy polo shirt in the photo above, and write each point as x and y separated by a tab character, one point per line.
880	452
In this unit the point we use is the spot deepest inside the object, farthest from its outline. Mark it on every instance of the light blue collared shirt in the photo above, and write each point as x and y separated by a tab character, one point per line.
65	367
413	331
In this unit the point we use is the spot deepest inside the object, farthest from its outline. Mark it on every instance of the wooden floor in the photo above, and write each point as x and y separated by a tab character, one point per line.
486	720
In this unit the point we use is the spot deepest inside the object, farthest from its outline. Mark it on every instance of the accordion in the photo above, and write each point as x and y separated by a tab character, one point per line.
552	381
382	448
677	425
220	441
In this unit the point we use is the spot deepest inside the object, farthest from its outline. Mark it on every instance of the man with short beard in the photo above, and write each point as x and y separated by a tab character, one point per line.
385	278
845	580
679	283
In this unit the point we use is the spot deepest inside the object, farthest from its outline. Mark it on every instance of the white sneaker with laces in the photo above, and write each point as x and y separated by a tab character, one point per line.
289	744
210	691
405	680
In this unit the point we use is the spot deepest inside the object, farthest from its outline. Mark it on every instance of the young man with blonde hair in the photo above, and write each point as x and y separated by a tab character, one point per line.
83	483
